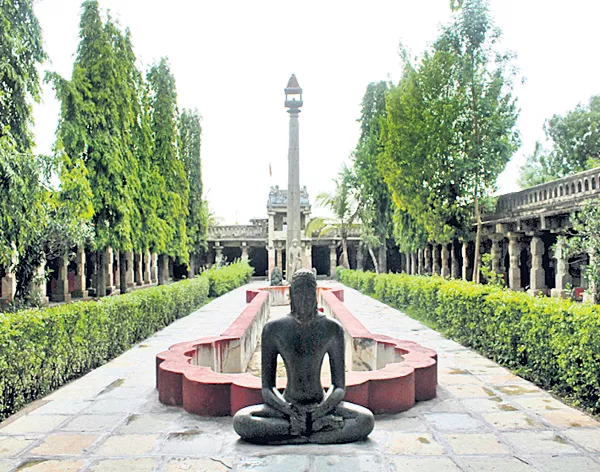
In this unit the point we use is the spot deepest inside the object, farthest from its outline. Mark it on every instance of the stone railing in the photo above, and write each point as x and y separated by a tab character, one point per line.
563	193
216	233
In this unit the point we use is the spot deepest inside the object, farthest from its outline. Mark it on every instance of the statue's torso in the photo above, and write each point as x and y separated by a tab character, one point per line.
303	347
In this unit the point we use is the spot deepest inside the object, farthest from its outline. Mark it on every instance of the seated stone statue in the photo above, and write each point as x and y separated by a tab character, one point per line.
304	412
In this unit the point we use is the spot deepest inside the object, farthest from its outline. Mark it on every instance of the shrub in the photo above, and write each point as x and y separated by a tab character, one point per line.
553	342
41	349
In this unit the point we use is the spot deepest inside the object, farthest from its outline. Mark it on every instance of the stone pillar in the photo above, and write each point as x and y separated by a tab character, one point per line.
137	269
244	251
61	291
79	289
435	255
421	268
562	277
9	281
427	251
293	196
163	269
108	268
456	269
590	295
537	274
154	268
332	260
280	258
147	267
218	255
360	256
514	271
39	287
408	261
271	252
413	263
496	254
445	267
465	264
118	257
307	251
129	269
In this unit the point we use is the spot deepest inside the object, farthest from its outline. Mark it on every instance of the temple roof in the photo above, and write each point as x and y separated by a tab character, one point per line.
278	197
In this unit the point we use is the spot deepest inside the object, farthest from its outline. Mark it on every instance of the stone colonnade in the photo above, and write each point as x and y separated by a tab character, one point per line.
70	278
525	261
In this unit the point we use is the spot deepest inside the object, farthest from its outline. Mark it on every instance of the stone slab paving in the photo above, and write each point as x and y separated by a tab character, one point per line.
484	418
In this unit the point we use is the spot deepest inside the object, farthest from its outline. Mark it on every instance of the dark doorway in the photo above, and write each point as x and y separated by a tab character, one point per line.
394	261
230	254
320	259
259	260
525	263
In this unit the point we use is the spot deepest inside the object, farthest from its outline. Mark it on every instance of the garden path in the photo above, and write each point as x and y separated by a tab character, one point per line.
484	418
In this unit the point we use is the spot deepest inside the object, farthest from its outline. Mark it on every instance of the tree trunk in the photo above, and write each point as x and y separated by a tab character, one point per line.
383	259
100	274
374	259
123	269
191	267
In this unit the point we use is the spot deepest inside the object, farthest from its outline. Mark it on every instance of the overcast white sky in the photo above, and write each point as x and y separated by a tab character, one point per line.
232	60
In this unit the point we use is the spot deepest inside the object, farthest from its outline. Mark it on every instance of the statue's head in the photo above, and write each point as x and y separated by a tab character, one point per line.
295	242
303	294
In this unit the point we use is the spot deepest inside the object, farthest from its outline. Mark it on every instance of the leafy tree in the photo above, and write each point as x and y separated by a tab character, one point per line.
95	127
374	195
584	238
450	127
343	204
21	51
190	133
164	125
574	141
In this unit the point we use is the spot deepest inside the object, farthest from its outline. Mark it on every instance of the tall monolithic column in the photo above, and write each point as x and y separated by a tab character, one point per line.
537	274
293	101
514	270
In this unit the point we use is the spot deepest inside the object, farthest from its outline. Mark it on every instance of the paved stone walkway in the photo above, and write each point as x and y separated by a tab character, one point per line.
484	418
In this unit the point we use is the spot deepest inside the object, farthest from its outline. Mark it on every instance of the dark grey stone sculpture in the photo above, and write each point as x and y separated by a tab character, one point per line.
304	412
276	277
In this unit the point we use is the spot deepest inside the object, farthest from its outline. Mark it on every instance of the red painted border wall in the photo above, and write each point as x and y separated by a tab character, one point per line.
392	389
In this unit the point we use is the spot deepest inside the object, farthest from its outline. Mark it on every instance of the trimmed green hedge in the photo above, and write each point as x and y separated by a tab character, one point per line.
552	342
41	349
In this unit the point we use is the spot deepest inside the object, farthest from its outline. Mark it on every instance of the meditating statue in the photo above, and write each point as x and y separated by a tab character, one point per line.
304	412
295	258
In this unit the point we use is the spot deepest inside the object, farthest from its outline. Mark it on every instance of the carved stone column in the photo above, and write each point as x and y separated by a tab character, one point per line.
435	255
280	258
332	260
421	269
108	270
154	268
413	263
465	264
9	281
129	269
456	269
40	282
537	273
445	267
562	277
147	268
514	271
137	269
244	251
79	289
218	254
428	268
271	252
61	291
496	254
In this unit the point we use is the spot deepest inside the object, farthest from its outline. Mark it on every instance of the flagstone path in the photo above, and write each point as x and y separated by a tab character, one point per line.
483	419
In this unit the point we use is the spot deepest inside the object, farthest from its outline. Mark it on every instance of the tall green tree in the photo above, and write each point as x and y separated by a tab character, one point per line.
190	134
451	127
374	195
94	128
573	145
164	125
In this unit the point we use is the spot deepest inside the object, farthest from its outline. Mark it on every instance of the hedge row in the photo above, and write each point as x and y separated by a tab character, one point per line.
552	342
41	349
